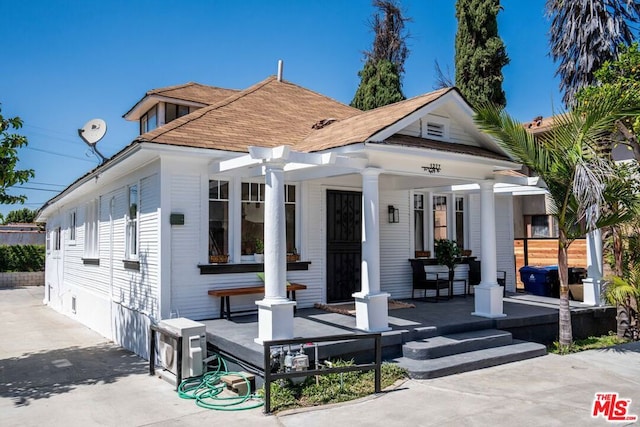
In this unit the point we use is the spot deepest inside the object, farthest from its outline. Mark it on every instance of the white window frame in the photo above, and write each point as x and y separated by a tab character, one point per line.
237	225
92	229
73	226
132	246
429	220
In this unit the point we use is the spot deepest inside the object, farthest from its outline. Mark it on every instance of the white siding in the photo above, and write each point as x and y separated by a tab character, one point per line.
395	245
504	239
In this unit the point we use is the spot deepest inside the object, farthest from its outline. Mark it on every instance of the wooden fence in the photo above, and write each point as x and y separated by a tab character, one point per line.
544	251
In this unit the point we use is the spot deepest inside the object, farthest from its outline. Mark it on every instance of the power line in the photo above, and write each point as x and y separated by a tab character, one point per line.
34	188
58	154
45	183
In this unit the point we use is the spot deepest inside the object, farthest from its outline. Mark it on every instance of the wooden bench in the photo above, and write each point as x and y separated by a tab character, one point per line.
225	294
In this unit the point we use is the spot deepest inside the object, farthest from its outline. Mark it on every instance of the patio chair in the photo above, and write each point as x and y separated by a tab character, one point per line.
502	281
429	281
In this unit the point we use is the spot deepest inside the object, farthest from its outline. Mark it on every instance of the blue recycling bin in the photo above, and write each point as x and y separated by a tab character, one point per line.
542	281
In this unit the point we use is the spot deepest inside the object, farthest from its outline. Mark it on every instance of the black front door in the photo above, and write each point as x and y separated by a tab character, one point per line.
344	244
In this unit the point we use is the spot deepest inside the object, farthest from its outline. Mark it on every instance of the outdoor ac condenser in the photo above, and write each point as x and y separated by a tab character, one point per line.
194	346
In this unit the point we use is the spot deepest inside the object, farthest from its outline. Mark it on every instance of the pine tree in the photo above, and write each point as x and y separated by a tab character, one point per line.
480	52
381	76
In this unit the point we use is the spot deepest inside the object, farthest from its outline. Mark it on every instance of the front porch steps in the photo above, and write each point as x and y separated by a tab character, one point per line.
443	355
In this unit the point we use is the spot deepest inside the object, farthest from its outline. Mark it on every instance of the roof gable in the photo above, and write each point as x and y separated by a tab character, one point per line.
191	93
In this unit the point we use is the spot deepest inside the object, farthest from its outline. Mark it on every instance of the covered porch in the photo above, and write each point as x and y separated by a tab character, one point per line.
529	318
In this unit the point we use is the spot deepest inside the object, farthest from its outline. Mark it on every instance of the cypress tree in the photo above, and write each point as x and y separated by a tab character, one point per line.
480	52
381	76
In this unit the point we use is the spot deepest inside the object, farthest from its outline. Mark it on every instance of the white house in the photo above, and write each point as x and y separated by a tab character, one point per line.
354	193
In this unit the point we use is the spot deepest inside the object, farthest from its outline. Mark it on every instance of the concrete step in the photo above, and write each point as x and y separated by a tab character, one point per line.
446	345
471	361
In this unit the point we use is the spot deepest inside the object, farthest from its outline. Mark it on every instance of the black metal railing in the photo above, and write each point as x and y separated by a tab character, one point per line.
269	376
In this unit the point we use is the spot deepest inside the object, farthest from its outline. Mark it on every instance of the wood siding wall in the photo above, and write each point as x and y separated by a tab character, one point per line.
543	252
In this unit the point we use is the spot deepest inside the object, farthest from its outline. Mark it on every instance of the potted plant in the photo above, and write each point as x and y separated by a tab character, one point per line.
258	255
447	253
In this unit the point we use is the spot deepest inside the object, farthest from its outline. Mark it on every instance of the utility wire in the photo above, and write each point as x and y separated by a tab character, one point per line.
34	188
58	154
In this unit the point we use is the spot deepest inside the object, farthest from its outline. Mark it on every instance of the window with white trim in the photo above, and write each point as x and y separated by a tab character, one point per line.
133	203
418	222
91	247
252	224
73	225
459	202
149	120
56	237
440	217
218	218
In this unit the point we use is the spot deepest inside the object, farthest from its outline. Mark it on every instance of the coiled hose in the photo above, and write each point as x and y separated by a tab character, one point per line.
207	389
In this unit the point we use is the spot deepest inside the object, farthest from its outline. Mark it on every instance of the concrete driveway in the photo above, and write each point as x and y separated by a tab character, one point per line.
54	371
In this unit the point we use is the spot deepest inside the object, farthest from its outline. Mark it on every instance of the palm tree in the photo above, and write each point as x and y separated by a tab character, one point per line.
586	33
572	160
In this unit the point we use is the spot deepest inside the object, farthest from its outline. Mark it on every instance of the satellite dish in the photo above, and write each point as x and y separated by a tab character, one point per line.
92	132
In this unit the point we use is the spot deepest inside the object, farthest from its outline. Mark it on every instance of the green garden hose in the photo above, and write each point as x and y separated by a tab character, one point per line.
207	389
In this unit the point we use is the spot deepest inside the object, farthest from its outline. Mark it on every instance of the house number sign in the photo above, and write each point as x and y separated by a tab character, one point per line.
432	168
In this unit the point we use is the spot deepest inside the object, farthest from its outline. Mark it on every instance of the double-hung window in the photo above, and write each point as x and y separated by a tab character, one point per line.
73	226
440	217
132	222
91	229
419	222
448	221
218	217
460	222
252	215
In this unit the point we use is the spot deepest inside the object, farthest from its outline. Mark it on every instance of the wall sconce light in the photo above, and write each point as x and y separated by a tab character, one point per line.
394	215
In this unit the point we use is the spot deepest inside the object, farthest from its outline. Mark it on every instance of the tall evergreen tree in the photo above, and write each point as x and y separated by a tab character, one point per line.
584	35
480	52
381	76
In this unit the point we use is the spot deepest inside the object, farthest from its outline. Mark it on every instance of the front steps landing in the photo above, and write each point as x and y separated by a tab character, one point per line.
450	354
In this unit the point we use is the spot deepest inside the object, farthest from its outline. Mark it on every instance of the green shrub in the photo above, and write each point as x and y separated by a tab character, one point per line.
22	258
331	388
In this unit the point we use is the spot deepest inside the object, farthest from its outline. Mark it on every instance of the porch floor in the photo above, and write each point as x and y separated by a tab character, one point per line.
529	317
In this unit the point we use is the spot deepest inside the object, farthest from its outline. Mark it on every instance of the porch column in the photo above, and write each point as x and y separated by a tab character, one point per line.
371	304
591	289
488	294
275	311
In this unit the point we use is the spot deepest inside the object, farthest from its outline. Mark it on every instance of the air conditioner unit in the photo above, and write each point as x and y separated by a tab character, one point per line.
194	346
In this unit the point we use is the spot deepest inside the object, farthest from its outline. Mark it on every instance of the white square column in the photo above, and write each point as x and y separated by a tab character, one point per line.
372	310
592	284
488	294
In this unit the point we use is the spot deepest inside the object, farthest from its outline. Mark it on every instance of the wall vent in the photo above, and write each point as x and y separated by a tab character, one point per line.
73	304
435	129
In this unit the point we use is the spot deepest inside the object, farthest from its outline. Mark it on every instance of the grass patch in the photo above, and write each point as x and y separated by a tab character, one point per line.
590	343
330	388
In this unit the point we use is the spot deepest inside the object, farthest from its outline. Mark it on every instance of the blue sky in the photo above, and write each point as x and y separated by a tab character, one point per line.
67	61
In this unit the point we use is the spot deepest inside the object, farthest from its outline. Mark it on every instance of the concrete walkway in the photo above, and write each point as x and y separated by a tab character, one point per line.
54	371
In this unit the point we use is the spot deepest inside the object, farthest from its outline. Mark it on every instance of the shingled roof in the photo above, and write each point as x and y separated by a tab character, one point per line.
195	92
366	124
268	114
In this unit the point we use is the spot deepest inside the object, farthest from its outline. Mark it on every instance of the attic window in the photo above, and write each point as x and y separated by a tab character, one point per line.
435	129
